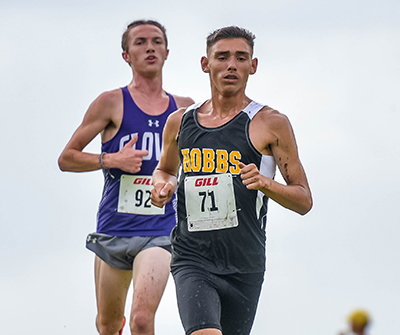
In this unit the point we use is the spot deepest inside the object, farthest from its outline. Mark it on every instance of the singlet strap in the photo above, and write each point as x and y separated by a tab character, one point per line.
253	108
194	106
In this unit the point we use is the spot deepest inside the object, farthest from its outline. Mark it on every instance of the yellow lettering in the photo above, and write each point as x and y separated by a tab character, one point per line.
222	161
195	159
186	160
208	160
234	158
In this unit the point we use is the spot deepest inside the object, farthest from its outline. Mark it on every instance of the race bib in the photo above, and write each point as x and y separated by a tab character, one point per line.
210	202
134	196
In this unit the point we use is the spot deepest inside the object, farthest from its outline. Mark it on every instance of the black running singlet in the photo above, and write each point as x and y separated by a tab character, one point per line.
221	224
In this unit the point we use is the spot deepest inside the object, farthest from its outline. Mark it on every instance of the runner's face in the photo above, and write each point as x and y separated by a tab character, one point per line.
229	63
147	49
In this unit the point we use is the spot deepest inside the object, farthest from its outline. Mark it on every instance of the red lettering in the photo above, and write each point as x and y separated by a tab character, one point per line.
198	182
143	181
206	182
138	181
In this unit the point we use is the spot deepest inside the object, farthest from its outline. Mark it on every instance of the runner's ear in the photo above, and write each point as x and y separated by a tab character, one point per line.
254	64
204	64
125	56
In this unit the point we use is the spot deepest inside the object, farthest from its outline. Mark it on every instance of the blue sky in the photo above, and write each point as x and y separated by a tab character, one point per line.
332	67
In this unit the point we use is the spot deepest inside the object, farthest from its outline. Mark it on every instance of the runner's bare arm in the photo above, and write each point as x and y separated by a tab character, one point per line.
274	135
96	119
101	115
165	174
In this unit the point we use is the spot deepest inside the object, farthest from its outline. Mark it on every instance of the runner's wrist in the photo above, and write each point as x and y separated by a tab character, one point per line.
105	161
101	161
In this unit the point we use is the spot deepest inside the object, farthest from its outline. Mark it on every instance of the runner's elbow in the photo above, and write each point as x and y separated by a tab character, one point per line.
63	163
306	207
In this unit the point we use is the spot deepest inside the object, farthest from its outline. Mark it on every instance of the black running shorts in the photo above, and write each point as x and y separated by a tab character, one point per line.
225	302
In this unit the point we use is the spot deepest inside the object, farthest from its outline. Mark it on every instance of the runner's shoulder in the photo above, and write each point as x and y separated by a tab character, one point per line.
271	117
110	98
183	101
176	117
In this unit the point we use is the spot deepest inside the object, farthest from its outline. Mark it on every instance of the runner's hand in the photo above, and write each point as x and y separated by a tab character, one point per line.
128	159
252	178
161	194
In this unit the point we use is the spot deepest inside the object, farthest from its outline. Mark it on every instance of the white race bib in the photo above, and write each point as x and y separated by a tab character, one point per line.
210	202
134	196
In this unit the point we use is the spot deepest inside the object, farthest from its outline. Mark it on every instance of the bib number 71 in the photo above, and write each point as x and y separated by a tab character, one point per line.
212	199
210	202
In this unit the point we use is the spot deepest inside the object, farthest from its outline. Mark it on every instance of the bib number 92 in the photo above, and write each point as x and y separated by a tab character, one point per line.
134	196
